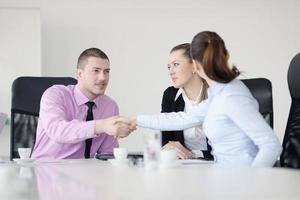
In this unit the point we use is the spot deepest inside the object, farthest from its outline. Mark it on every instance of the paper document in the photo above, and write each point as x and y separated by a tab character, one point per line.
195	161
3	118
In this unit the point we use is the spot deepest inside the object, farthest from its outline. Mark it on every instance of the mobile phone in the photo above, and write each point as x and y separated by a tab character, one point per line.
104	156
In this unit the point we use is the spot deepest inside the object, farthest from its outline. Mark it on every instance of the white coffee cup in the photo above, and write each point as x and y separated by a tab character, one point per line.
168	156
120	153
24	153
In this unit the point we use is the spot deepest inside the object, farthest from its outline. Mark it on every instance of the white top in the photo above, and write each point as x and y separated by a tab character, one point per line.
194	138
236	130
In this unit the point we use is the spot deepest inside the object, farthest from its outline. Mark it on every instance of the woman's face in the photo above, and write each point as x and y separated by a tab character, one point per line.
181	70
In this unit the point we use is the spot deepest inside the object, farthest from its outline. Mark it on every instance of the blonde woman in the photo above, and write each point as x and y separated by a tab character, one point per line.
188	91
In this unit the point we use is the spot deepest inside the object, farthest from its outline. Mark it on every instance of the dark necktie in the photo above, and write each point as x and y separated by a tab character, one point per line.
89	117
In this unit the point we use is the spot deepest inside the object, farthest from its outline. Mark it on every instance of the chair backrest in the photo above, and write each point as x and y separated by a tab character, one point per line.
290	156
261	89
25	106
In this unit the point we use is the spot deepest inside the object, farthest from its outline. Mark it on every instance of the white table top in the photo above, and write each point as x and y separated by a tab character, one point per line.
94	179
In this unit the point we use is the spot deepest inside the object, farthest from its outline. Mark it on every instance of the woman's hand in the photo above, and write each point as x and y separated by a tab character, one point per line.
181	151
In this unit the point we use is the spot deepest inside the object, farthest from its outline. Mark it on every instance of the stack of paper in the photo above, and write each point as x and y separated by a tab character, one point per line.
195	161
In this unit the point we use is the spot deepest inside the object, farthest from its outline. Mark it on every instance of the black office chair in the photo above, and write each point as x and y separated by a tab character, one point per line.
261	89
290	156
25	106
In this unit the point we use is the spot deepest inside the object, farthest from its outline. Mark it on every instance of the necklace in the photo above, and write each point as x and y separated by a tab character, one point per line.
199	95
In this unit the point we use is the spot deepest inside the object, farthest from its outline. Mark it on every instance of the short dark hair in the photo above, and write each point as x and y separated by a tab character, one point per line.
208	48
91	52
186	47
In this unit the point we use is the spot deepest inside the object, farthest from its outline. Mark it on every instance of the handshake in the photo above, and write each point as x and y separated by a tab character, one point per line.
116	126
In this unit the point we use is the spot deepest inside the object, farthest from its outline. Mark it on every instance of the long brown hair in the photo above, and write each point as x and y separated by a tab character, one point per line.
208	48
186	48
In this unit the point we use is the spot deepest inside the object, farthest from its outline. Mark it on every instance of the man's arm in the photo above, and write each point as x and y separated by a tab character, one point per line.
57	124
53	116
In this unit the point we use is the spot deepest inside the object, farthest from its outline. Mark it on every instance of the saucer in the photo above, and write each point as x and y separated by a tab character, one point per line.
25	160
119	162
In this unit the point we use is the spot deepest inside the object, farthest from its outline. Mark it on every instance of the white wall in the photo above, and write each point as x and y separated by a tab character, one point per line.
261	35
19	51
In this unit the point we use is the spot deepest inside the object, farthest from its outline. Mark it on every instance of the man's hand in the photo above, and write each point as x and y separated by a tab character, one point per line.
131	121
114	127
182	152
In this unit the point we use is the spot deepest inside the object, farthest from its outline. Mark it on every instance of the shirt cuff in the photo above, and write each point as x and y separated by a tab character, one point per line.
90	129
197	154
139	120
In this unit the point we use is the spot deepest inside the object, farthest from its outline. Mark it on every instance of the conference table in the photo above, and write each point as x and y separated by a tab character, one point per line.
93	179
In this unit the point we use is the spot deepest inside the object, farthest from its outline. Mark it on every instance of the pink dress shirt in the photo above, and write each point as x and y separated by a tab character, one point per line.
62	129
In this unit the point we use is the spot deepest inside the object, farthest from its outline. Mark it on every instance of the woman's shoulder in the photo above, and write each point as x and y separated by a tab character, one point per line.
237	87
171	91
235	93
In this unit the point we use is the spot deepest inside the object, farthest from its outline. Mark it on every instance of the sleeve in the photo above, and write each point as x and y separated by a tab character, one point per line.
166	107
110	142
166	104
56	123
174	120
254	125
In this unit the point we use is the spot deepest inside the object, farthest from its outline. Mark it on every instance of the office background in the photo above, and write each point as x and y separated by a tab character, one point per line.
45	38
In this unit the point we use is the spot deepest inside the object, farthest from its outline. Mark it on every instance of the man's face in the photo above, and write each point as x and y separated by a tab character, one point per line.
93	77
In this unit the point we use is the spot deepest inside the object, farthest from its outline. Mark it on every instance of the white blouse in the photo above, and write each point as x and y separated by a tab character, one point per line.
194	137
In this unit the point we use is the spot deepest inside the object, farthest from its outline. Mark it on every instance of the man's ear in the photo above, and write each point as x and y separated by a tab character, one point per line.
78	73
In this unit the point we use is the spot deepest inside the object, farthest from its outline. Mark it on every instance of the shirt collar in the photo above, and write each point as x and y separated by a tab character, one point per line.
81	99
179	92
215	89
182	92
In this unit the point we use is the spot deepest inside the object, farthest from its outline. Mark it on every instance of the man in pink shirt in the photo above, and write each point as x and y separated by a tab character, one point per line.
78	121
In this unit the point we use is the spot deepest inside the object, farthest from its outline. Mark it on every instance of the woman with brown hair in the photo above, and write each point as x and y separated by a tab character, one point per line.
237	132
188	90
